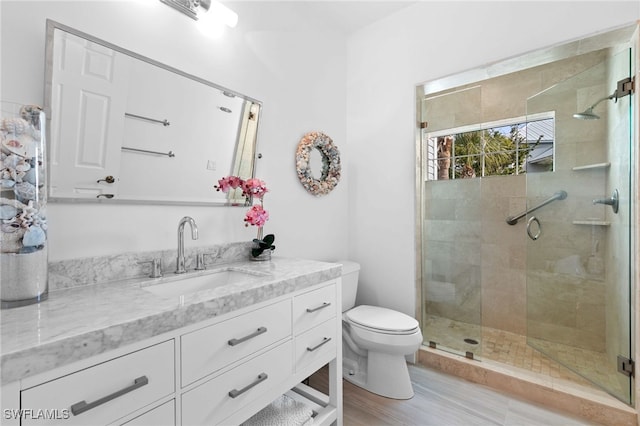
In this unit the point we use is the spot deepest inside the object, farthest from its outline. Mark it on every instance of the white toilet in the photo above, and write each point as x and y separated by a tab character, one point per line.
375	342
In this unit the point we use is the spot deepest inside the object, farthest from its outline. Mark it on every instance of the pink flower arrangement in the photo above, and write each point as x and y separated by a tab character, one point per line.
227	183
255	188
256	215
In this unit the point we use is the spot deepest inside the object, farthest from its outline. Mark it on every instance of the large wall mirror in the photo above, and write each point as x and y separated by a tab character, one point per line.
125	128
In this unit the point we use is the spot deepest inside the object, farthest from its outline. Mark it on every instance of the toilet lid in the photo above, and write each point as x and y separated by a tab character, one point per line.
381	319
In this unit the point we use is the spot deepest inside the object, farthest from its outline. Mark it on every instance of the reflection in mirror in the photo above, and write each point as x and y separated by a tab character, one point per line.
316	164
126	128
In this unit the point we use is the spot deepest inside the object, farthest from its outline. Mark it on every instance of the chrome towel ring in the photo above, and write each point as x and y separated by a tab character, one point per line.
534	229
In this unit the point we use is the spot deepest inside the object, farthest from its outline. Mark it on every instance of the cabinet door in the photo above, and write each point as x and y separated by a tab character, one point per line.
313	308
317	345
105	392
218	398
211	348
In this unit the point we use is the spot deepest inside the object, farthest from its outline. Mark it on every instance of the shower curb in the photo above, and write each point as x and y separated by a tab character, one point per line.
590	404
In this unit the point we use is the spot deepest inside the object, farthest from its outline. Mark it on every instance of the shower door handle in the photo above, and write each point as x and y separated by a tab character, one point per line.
613	201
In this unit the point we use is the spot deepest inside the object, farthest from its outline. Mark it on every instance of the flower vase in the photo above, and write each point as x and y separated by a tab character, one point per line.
266	254
23	238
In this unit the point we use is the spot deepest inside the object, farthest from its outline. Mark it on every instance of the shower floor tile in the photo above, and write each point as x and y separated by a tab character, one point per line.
512	349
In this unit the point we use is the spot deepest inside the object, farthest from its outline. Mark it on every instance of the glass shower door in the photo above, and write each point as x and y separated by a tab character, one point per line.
578	250
451	229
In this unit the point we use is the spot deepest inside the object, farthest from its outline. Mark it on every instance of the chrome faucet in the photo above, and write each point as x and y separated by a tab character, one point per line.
180	269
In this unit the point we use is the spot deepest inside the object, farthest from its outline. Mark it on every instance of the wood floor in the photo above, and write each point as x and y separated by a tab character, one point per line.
442	400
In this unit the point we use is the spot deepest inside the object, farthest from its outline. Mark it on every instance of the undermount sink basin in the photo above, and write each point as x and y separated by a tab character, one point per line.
194	284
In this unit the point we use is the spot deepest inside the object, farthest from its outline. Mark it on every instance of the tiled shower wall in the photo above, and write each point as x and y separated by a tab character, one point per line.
566	287
475	262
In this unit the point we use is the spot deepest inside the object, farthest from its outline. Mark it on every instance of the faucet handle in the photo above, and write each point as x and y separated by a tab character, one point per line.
156	267
613	201
201	265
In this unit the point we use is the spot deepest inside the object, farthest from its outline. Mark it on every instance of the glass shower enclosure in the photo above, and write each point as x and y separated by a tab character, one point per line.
525	217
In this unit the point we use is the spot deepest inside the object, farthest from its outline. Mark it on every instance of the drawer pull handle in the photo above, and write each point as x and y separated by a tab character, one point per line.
82	406
324	305
258	332
235	392
325	340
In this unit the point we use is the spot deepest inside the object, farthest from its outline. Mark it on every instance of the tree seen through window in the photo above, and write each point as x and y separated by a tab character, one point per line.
500	150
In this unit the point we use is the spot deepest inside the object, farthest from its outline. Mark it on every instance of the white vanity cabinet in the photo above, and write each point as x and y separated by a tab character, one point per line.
280	345
219	371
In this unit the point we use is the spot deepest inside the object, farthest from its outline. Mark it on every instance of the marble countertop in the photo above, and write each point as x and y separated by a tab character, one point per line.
77	323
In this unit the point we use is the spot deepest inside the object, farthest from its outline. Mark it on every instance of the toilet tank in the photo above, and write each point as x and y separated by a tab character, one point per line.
350	271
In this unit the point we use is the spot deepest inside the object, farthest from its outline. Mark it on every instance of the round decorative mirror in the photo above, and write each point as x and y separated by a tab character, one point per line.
305	166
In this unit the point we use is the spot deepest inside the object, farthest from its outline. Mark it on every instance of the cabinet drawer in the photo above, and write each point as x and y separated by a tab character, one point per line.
211	402
316	344
164	415
313	308
209	349
110	390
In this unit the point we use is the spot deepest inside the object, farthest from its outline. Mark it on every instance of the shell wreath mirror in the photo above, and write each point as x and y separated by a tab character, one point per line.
330	173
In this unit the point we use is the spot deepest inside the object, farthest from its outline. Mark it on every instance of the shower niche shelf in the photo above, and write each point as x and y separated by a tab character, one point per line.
592	222
592	166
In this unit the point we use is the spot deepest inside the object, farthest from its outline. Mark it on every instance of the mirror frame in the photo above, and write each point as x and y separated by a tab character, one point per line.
51	26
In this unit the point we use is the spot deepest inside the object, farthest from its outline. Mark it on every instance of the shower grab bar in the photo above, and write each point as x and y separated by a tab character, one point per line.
560	195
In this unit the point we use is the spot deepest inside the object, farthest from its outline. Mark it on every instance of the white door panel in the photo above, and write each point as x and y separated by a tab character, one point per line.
90	93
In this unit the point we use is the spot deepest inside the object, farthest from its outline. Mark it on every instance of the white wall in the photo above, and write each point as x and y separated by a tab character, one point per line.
385	61
298	71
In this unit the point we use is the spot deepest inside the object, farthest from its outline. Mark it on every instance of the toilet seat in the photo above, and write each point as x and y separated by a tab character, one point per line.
381	320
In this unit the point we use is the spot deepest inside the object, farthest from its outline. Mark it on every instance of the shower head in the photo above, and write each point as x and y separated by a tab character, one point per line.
588	113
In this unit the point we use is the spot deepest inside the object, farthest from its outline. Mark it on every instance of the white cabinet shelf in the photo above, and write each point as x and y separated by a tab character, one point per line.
592	166
302	403
324	412
592	222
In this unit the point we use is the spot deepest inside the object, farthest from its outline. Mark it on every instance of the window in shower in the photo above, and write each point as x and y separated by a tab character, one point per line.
507	147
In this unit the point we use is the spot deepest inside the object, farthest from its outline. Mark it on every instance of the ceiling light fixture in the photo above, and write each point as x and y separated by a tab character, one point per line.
195	9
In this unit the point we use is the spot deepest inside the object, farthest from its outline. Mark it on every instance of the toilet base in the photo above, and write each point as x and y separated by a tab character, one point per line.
383	374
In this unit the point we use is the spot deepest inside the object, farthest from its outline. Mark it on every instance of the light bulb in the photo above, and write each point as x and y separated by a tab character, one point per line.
223	14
